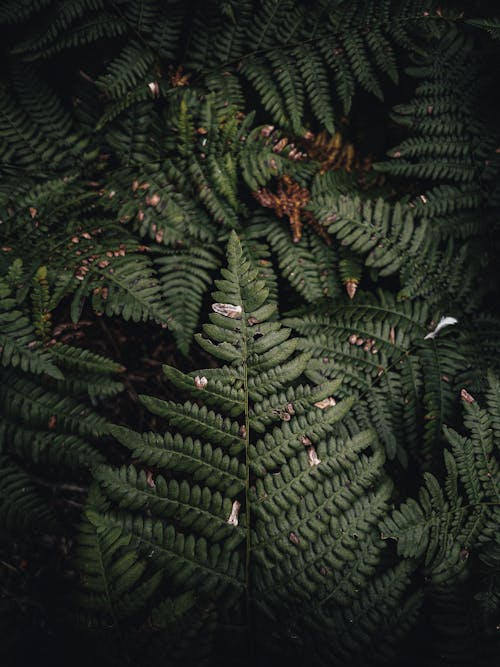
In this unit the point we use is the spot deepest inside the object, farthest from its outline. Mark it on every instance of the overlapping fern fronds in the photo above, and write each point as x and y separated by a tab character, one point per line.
116	585
408	384
262	492
47	424
452	523
297	58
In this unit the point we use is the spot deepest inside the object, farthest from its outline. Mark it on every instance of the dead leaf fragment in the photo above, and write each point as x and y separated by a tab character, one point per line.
233	517
312	456
351	287
227	310
154	88
267	130
328	402
466	397
154	200
149	479
200	382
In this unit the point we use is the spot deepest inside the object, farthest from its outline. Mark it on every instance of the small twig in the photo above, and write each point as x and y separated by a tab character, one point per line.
73	487
9	566
63	486
74	503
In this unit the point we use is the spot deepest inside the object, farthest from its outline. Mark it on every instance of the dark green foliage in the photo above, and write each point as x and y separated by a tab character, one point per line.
22	508
452	142
454	527
469	504
18	343
46	422
270	501
409	385
136	138
116	585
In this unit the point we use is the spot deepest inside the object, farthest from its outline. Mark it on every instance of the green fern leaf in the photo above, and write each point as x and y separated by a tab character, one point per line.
268	492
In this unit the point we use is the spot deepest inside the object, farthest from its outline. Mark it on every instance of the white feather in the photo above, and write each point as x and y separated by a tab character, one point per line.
443	322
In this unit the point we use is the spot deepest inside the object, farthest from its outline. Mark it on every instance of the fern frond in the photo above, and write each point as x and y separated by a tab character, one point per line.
377	347
185	276
23	510
129	69
446	526
270	495
308	265
19	346
491	26
387	235
47	427
13	11
115	582
76	25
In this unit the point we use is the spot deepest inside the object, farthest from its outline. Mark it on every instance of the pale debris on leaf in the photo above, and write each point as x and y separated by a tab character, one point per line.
312	456
233	517
154	200
149	479
154	88
328	402
200	382
466	397
351	287
443	322
228	310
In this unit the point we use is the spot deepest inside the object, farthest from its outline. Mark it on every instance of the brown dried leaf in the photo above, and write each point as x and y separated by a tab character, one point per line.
351	287
466	397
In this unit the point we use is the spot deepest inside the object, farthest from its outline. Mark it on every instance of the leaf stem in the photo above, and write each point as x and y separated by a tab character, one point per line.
248	604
